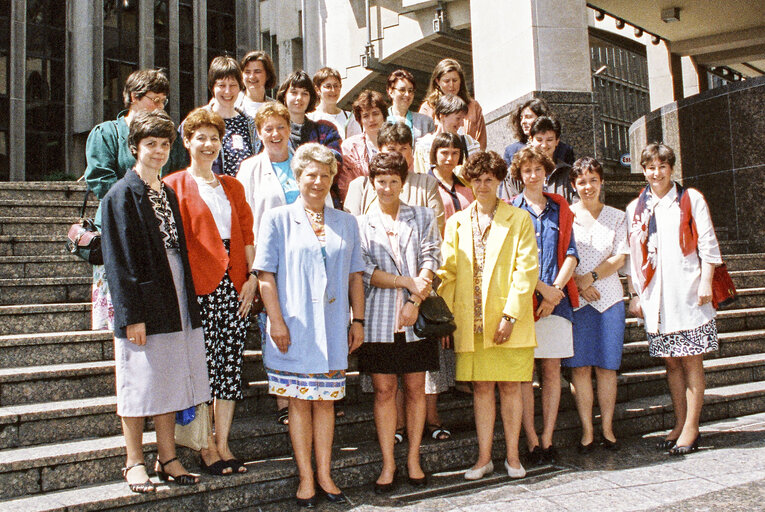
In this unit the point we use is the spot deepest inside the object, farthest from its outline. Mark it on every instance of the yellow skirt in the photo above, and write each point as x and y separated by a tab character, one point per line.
495	364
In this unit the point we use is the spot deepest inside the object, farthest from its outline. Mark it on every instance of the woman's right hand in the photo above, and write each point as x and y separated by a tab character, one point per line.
545	308
590	294
551	294
634	308
420	286
281	335
136	333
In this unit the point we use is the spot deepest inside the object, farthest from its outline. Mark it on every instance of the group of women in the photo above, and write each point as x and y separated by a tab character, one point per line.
240	206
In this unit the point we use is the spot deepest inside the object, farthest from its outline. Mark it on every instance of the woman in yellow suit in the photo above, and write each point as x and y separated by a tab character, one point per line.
487	279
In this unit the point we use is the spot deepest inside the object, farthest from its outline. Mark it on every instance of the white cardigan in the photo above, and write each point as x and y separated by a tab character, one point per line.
262	188
670	301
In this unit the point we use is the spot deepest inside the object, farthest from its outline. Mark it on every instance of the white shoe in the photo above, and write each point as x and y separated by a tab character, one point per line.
512	472
477	474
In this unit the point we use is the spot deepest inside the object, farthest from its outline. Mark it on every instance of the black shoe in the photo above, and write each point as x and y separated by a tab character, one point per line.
418	482
534	457
585	448
611	446
307	502
184	479
387	488
216	468
685	450
549	455
666	444
333	498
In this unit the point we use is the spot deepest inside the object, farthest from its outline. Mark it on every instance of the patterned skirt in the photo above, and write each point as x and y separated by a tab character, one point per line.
307	386
691	342
225	333
102	314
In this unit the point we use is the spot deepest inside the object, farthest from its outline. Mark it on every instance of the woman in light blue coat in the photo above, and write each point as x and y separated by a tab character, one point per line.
309	266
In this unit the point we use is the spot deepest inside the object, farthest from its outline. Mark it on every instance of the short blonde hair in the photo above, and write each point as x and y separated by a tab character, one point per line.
313	152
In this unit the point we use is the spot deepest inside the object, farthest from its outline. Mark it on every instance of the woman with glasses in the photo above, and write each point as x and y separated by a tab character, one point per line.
108	158
401	89
328	85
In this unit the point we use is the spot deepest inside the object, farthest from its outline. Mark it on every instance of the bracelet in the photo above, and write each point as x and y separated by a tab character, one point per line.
633	295
417	304
559	287
254	273
395	278
358	321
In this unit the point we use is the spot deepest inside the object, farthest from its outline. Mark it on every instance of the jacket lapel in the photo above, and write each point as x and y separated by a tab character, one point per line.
497	235
406	216
378	232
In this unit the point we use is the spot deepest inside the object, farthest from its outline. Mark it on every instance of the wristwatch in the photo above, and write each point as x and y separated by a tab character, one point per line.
633	295
594	276
509	319
359	321
414	302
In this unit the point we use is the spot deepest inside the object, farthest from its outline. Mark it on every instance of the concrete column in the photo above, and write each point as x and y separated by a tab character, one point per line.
691	77
314	39
534	48
174	101
200	51
17	92
247	27
665	75
145	35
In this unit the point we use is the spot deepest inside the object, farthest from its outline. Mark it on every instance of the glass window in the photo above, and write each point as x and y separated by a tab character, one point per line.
185	89
120	51
45	85
221	28
161	40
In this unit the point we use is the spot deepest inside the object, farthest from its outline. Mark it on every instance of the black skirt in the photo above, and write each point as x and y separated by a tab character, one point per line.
399	357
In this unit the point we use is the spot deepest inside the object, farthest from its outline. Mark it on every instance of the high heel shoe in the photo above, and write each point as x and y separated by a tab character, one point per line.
611	446
307	502
141	488
685	450
331	497
583	449
184	479
478	473
386	488
418	482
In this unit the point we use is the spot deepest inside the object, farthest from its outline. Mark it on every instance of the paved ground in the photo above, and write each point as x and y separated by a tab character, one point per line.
726	475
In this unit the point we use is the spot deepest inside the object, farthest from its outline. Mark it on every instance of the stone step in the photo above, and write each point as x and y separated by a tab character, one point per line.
46	208
54	265
45	476
50	383
728	320
32	245
44	318
45	290
35	225
39	190
734	246
754	261
19	350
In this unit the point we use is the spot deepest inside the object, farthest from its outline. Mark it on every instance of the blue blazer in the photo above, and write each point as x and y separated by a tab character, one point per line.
139	276
313	295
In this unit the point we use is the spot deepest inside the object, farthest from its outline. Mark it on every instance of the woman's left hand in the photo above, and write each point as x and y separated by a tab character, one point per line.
355	336
590	294
583	282
249	290
545	308
705	293
504	330
409	314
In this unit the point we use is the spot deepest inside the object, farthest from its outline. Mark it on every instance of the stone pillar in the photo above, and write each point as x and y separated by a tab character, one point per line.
17	96
200	52
534	48
692	77
145	35
314	48
665	75
247	27
173	73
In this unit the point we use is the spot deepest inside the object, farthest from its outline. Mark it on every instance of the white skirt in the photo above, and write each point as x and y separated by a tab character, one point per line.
555	338
169	372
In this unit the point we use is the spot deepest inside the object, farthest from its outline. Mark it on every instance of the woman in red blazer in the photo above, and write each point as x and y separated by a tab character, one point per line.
218	225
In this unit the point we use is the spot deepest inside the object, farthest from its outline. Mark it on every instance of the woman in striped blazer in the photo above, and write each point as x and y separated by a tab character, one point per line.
401	249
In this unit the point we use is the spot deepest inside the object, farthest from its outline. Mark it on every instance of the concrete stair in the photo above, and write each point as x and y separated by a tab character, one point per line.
60	440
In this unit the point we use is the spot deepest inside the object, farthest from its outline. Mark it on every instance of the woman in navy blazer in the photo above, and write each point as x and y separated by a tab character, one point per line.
158	341
309	266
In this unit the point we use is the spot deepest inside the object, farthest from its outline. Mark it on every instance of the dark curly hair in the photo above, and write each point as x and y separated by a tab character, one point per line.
536	105
482	162
388	163
301	80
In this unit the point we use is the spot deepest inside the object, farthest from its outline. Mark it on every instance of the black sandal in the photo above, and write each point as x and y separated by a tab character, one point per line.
237	466
438	432
142	488
283	416
398	437
184	479
216	468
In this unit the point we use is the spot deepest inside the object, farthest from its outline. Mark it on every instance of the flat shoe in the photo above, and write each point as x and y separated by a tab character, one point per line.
216	468
514	473
237	465
549	455
612	446
418	482
141	488
398	437
478	473
534	456
307	502
333	498
685	450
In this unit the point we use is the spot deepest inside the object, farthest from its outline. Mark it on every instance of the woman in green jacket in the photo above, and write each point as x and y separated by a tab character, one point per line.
108	157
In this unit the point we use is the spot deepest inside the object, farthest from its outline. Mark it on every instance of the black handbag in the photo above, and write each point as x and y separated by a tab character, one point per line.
84	239
435	320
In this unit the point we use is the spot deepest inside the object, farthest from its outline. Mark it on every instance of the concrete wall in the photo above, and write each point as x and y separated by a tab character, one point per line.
718	137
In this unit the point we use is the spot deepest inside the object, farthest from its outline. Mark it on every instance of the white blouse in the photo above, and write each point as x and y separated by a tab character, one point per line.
344	121
605	237
216	200
670	301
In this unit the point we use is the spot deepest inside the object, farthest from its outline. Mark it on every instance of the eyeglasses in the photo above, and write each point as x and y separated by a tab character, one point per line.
158	101
331	86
